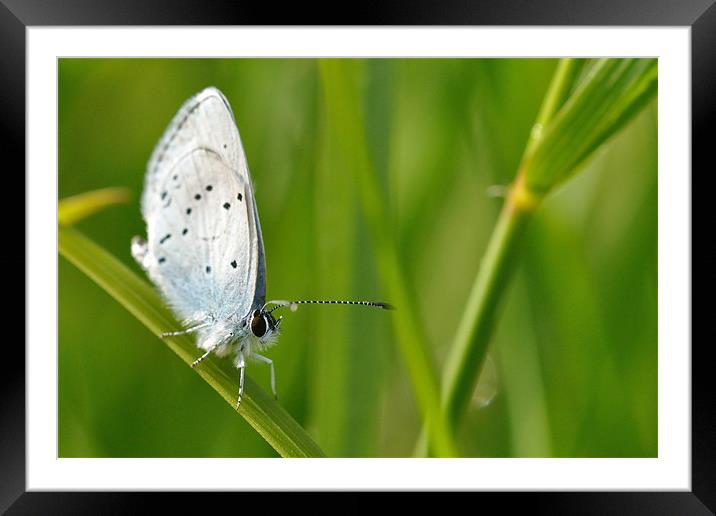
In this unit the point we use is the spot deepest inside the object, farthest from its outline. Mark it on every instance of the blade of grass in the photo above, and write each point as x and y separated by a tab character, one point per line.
467	354
610	94
333	360
641	91
340	80
524	389
259	409
560	87
77	207
470	347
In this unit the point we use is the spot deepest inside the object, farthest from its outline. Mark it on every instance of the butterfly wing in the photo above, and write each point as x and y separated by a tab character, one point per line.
204	248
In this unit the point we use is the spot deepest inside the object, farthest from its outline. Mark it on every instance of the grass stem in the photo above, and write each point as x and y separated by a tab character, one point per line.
340	79
259	408
570	126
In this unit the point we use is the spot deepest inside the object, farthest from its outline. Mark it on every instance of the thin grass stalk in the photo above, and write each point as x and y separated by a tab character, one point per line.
258	408
340	81
467	354
610	94
80	206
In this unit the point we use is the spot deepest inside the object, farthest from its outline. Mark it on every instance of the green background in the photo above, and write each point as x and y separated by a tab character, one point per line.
573	367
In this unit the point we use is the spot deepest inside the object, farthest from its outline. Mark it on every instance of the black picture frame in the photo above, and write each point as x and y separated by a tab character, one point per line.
17	15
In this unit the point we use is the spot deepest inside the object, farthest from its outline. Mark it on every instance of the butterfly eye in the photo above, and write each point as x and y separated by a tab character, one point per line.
258	324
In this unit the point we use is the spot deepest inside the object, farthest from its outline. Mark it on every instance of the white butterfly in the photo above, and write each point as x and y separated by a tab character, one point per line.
204	249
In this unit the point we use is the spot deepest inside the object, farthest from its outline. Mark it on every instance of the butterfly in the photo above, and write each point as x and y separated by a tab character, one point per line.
204	250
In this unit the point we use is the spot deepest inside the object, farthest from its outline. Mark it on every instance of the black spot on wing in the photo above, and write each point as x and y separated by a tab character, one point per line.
234	264
208	269
209	188
197	196
163	196
239	197
162	260
165	238
227	205
184	231
188	211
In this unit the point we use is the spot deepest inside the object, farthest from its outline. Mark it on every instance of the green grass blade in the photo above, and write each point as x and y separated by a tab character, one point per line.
640	93
259	409
466	356
609	95
562	83
341	79
334	359
78	207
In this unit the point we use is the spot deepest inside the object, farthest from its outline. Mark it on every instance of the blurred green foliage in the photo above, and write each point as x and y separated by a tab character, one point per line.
576	347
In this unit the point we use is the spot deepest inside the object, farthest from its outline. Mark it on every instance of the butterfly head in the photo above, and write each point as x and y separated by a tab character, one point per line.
264	326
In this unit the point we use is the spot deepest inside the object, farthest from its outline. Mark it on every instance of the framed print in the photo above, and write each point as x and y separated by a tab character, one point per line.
451	258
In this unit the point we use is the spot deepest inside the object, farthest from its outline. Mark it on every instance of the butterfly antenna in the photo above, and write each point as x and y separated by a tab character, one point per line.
293	305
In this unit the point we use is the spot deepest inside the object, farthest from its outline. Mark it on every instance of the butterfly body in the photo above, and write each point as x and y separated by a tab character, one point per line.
204	248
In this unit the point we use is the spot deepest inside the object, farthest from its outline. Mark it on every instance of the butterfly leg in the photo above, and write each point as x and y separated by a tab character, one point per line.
241	364
268	361
202	357
184	332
